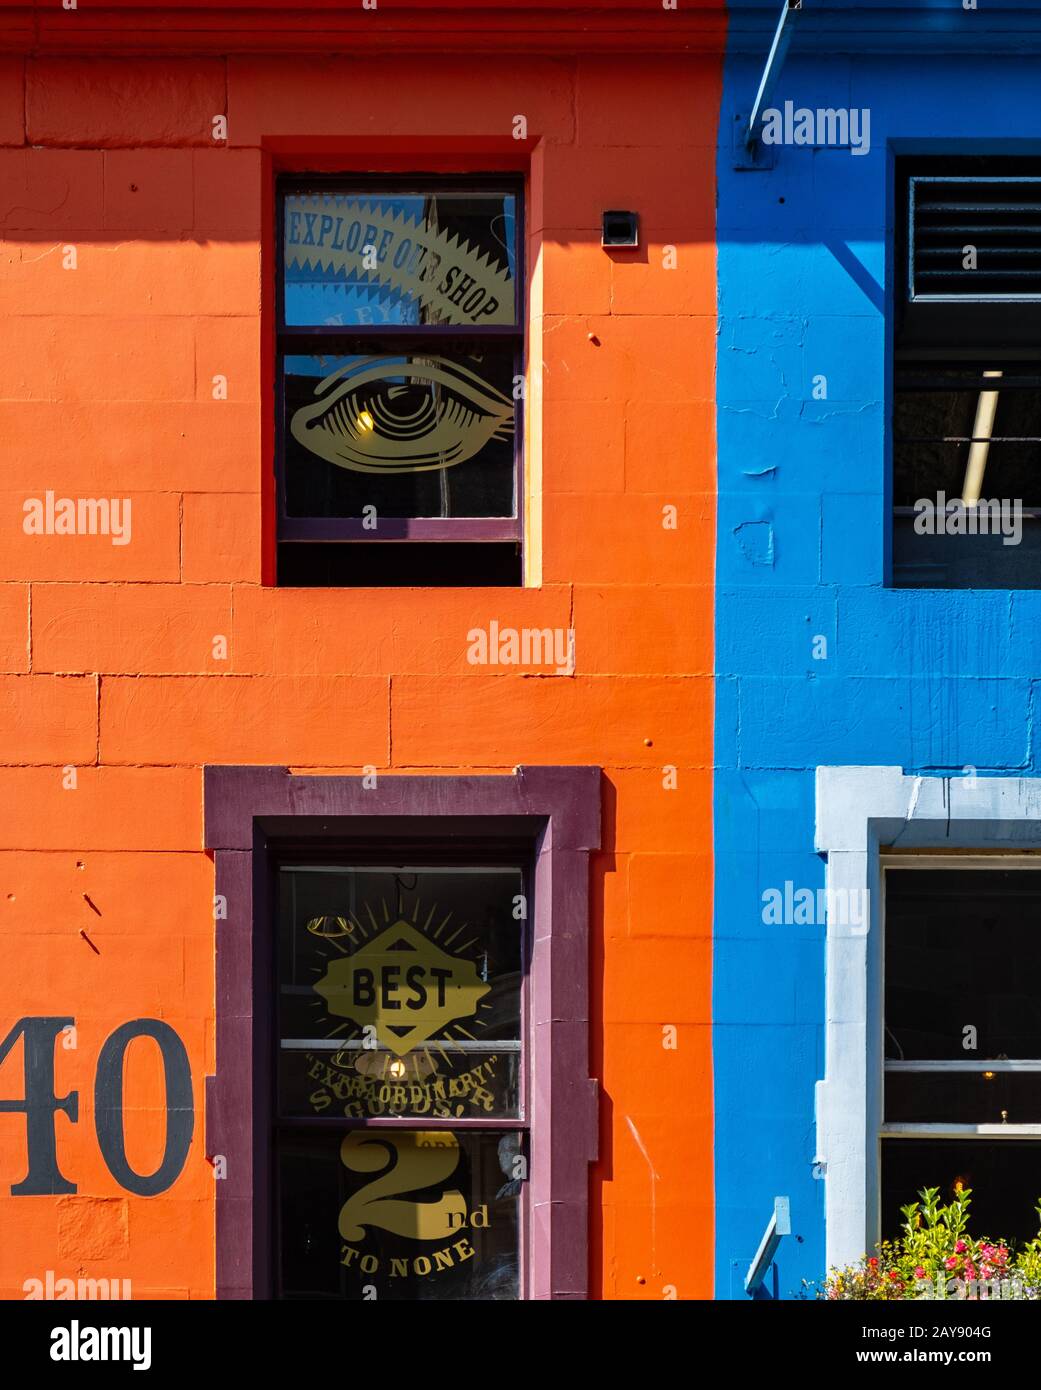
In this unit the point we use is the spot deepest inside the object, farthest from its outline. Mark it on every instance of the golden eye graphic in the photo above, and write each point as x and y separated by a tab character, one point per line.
375	416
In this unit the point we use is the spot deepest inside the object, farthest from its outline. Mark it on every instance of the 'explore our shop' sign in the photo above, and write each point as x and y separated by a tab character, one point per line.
40	1105
372	243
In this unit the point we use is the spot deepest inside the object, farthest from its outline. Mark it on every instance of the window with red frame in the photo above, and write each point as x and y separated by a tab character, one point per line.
400	380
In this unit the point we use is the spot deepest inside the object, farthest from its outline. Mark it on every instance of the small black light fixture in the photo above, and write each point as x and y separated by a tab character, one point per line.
620	230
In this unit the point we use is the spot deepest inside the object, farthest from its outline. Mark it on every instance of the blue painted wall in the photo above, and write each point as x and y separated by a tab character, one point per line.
925	679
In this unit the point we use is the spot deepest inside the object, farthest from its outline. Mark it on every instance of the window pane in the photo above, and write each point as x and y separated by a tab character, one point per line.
978	1097
411	434
1005	556
963	950
417	258
935	417
1004	1175
411	1215
444	564
938	411
400	992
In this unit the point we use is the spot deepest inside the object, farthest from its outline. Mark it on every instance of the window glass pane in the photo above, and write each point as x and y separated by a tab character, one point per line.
962	949
1006	556
400	992
935	417
1004	1175
390	259
443	564
412	434
938	411
978	1097
410	1214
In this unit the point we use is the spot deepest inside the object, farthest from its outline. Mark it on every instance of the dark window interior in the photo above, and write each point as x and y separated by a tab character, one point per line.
963	947
963	950
980	1097
349	565
967	375
1004	1175
934	415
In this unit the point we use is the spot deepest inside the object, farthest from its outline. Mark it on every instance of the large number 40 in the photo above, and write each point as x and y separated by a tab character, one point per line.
40	1105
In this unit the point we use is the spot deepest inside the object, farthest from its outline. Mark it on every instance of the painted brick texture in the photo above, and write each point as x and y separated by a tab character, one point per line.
934	681
135	258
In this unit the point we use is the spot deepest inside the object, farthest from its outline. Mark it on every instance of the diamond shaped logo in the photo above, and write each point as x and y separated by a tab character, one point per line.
404	985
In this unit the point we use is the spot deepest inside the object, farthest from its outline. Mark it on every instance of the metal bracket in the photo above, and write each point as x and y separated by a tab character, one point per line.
748	151
780	1225
756	156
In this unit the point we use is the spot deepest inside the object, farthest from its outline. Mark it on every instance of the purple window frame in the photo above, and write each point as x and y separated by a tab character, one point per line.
252	812
312	338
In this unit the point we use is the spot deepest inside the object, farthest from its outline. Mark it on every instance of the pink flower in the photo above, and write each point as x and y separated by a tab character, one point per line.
951	1262
961	1247
919	1272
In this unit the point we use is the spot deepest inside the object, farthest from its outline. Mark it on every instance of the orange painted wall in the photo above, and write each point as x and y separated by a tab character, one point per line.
107	651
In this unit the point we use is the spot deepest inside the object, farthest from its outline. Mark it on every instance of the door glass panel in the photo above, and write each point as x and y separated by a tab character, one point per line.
400	992
400	1215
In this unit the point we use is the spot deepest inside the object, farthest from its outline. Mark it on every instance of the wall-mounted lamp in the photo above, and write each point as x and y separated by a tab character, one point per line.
620	230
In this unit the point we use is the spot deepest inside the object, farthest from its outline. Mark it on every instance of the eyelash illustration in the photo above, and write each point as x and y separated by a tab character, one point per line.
368	419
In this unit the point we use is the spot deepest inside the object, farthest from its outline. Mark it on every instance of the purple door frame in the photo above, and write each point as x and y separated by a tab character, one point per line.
248	810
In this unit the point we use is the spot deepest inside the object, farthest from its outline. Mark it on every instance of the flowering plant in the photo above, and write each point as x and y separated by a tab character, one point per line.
936	1257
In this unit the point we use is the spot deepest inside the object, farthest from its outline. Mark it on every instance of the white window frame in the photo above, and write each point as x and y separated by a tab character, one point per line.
861	812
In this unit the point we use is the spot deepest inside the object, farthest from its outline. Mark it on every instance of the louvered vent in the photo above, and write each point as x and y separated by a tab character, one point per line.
975	238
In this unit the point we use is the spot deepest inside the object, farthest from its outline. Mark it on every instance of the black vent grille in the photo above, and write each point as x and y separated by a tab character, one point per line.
1000	218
